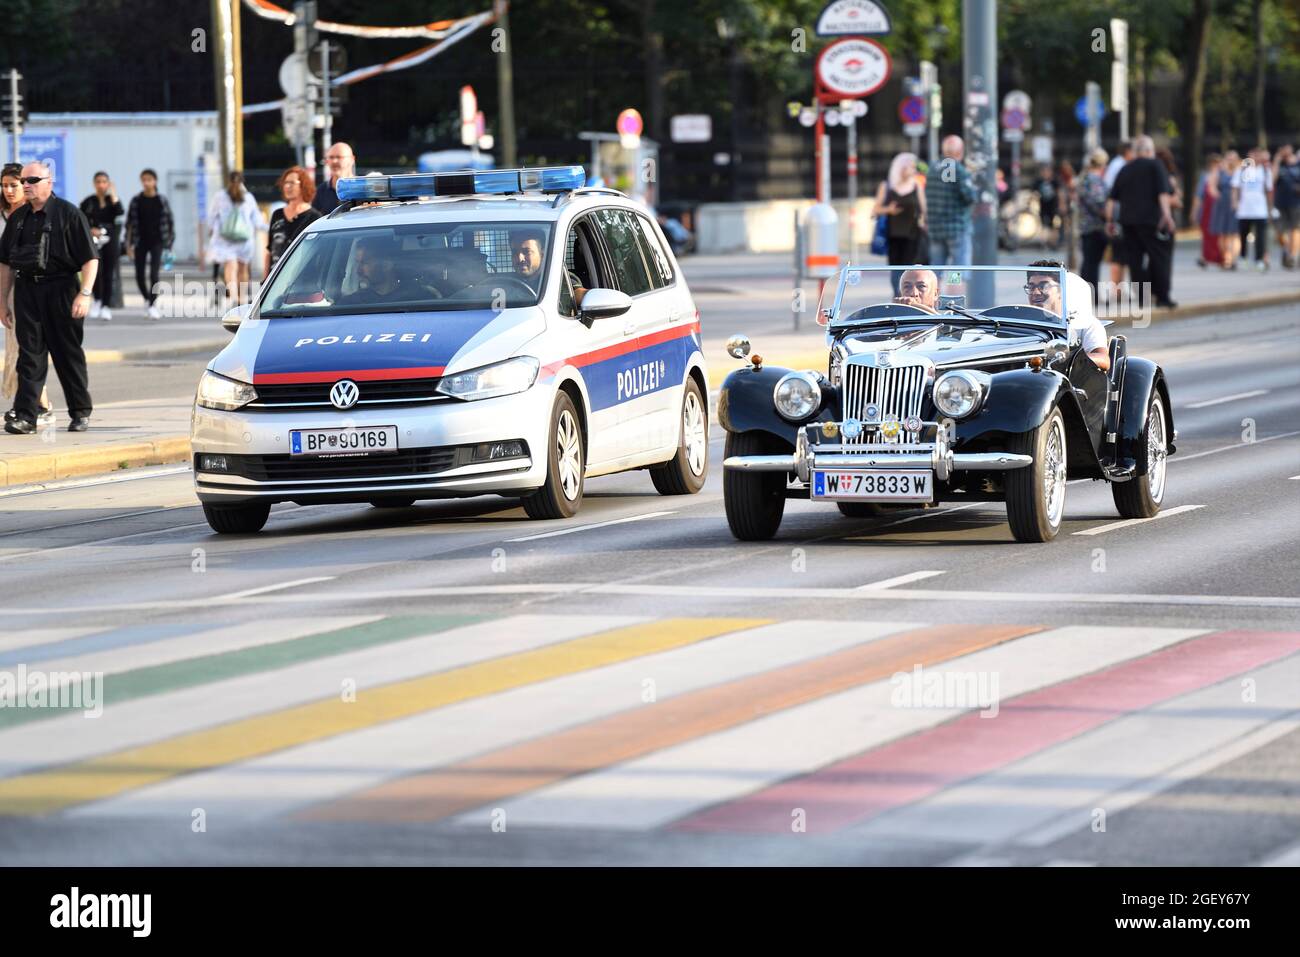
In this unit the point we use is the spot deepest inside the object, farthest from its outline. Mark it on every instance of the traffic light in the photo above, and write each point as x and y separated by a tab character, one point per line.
13	101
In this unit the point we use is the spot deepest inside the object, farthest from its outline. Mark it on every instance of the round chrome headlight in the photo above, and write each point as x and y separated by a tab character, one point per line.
797	395
960	393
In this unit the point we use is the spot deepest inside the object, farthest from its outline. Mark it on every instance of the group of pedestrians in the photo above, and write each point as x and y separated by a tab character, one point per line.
1237	199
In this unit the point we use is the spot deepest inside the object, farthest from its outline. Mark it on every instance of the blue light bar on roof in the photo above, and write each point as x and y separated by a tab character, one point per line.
547	179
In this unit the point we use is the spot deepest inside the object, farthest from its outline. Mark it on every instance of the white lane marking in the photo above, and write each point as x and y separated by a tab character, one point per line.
898	580
102	541
1228	448
1227	398
270	588
1138	521
694	591
1294	478
584	528
131	475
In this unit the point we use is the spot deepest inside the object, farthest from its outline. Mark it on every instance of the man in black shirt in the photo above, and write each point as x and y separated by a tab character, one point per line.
1143	192
47	243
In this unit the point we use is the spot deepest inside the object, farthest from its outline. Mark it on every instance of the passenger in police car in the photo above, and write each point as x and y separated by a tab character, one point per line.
375	259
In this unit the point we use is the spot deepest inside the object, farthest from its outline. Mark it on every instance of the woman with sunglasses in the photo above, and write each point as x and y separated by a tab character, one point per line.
11	200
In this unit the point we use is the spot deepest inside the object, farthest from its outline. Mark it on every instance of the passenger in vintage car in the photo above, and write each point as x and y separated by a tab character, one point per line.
1044	291
919	288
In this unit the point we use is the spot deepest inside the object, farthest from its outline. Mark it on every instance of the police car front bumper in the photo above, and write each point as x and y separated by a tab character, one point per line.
445	450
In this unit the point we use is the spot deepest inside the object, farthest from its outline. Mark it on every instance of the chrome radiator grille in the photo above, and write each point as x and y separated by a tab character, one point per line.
896	391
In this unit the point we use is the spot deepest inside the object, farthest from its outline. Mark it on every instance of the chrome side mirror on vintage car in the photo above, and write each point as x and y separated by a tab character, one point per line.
738	346
234	316
1057	353
604	303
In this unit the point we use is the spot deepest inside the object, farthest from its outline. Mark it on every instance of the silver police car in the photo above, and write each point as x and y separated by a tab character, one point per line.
441	335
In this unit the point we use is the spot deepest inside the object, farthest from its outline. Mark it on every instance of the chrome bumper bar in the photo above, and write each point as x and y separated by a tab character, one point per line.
936	457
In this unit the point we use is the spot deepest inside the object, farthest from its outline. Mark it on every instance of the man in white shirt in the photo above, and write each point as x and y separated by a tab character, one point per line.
1044	290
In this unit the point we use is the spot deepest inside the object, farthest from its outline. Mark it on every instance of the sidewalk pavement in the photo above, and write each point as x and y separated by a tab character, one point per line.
751	293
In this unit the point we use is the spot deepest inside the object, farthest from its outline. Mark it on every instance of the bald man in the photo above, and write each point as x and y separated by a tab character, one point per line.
340	161
949	196
919	288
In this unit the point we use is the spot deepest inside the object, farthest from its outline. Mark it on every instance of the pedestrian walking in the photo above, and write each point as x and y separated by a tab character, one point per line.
949	196
150	229
102	209
11	200
1286	200
1223	222
903	202
1047	189
1067	193
1166	159
1203	203
340	161
45	244
294	216
233	224
1142	193
1090	207
1118	251
1252	199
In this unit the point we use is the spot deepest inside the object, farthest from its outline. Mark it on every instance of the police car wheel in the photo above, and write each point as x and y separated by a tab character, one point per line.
566	464
755	501
685	472
237	519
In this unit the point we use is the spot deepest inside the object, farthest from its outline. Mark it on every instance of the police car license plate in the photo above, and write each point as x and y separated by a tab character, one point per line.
870	486
374	440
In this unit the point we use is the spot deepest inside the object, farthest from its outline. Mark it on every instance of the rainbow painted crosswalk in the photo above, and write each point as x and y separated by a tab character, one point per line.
968	733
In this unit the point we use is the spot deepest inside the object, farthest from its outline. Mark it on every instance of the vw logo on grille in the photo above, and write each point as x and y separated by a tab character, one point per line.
344	394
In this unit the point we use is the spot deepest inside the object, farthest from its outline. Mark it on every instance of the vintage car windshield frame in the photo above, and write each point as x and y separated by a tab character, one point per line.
1051	322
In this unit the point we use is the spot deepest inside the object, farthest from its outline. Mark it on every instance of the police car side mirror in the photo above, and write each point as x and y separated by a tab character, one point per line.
233	317
604	303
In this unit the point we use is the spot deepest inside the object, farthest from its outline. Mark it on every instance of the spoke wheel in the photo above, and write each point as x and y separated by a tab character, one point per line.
1142	495
1036	492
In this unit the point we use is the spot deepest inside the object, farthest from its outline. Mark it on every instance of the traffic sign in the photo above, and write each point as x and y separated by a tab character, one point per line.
911	109
692	128
1013	119
1081	111
853	18
1017	100
853	67
293	76
629	123
1010	135
468	112
914	129
338	59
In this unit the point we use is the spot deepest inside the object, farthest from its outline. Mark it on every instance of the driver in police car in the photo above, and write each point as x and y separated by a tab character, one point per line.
919	288
376	261
1044	291
527	252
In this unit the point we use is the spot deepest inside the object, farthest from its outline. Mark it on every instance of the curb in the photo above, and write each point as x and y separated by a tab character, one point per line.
162	352
93	460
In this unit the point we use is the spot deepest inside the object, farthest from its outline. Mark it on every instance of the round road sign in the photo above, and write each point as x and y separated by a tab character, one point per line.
853	67
629	123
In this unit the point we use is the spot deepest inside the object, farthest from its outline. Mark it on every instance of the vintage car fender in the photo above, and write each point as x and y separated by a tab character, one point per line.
1142	379
745	404
1018	400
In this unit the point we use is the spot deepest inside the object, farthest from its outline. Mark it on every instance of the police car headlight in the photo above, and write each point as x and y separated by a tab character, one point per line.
797	395
960	393
501	378
218	392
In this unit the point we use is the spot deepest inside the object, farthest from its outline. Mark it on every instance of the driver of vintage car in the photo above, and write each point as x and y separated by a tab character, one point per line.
1044	291
919	288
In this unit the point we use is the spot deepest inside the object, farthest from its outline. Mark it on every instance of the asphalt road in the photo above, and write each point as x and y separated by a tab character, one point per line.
452	683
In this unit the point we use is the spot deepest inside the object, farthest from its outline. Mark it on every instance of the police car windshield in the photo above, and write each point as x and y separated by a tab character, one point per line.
420	267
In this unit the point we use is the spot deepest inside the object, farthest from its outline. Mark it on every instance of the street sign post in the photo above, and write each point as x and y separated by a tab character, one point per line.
1090	111
1015	120
15	111
930	90
1119	74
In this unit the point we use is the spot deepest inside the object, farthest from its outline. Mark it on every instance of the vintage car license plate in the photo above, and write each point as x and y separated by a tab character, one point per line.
372	440
874	486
